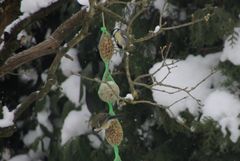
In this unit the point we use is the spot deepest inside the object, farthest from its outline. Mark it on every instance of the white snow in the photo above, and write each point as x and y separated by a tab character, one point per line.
44	75
75	124
69	67
1	45
21	157
218	103
6	154
25	39
30	6
160	5
46	142
187	73
95	142
48	33
8	29
32	135
21	34
43	115
232	52
129	96
157	28
71	88
224	108
83	2
165	8
116	60
8	117
26	75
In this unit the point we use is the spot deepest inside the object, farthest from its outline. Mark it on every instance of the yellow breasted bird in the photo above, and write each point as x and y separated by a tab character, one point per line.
120	38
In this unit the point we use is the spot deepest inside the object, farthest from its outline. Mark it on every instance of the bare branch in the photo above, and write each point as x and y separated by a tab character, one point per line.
152	35
111	13
10	44
130	82
51	80
46	47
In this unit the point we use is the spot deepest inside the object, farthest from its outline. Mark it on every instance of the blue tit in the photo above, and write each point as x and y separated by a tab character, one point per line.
120	38
101	121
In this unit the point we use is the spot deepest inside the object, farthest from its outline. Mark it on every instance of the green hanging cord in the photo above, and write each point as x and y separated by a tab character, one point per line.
107	75
110	109
103	28
106	72
116	152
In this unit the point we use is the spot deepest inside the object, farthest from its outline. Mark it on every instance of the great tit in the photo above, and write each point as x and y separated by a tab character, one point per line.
120	38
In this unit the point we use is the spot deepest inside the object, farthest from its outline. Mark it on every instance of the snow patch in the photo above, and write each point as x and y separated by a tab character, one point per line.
1	45
95	142
27	75
129	96
30	6
43	115
83	2
6	154
184	75
8	29
116	60
32	135
75	124
71	88
231	52
21	157
157	28
69	66
8	117
224	108
160	5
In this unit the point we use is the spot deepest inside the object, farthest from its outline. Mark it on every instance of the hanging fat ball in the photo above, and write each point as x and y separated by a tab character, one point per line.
114	133
120	38
109	91
106	47
101	121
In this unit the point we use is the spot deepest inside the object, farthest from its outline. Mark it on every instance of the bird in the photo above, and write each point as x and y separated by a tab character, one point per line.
101	121
120	38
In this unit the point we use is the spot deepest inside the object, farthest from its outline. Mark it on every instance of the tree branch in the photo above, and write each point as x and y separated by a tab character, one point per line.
10	44
46	47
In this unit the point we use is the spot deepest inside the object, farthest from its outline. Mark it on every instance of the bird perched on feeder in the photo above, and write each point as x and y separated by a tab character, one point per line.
111	125
120	38
101	121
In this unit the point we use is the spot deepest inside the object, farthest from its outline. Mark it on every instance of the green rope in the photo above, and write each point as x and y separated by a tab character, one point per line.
110	109
108	77
116	152
104	30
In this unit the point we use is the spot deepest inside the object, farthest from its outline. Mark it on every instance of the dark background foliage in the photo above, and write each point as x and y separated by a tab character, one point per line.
165	140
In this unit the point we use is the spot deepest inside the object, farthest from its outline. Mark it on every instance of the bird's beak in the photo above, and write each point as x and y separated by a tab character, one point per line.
97	130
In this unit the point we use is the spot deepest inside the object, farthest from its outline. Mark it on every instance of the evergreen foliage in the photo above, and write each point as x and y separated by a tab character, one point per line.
165	139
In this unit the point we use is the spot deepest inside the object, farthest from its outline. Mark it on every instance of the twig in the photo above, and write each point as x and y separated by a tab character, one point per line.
51	80
46	47
130	82
111	13
165	50
10	45
152	35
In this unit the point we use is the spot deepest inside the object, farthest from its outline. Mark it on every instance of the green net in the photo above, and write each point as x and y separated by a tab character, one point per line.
108	77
